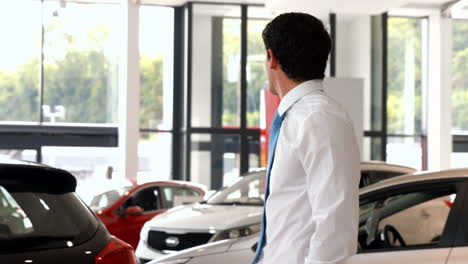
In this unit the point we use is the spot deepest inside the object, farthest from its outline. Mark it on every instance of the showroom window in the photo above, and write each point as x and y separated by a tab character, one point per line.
19	154
405	96
71	92
398	93
19	67
156	93
225	80
80	63
216	65
222	152
61	73
460	93
65	102
257	81
58	79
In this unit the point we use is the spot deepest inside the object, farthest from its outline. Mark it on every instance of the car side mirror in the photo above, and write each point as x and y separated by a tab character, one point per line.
254	247
133	211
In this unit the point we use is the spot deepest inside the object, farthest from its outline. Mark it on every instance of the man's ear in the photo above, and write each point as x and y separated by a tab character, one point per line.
272	61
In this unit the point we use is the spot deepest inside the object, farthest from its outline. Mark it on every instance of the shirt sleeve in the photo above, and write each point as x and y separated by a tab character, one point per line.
327	149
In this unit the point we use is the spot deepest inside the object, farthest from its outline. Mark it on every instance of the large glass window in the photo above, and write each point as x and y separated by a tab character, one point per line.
156	93
405	151
460	77
216	66
85	163
94	168
404	76
405	86
19	154
256	55
81	48
20	51
154	157
458	159
156	67
215	159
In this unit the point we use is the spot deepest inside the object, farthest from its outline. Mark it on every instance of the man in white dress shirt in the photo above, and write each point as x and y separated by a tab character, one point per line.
312	209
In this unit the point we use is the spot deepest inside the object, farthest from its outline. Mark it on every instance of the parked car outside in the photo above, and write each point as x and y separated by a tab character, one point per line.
42	220
125	210
417	218
234	212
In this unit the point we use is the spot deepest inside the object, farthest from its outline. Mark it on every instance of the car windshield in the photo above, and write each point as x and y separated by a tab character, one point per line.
248	190
106	199
32	219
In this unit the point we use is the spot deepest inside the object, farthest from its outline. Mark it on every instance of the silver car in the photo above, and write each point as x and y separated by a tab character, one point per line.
417	218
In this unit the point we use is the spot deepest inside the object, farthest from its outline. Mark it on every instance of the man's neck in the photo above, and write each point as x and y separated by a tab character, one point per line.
286	85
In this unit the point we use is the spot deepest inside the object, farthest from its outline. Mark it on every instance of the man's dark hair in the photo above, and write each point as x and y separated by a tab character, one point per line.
301	44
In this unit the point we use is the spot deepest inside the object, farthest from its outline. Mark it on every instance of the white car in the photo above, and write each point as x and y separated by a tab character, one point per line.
416	218
234	212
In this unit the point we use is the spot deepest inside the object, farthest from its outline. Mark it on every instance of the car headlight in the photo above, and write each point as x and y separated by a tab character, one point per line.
238	232
177	261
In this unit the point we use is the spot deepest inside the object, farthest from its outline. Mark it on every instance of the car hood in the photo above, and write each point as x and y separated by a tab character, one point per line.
202	217
239	244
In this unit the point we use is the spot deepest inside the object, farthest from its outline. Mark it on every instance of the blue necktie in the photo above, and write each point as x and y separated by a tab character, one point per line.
274	133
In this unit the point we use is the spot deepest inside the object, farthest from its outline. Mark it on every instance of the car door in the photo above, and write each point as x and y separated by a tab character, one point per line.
459	252
149	199
423	214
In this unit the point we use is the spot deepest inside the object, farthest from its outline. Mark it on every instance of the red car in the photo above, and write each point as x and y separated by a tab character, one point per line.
124	211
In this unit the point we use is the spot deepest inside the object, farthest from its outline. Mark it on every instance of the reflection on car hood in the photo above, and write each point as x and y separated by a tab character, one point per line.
203	250
202	217
240	244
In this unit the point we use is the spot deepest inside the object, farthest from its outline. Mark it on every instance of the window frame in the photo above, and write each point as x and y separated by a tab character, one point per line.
382	133
450	232
164	199
121	209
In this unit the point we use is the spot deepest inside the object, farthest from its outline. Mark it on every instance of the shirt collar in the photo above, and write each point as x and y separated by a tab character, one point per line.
297	93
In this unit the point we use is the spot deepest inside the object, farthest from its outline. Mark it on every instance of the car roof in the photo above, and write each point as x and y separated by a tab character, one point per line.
385	167
417	177
22	176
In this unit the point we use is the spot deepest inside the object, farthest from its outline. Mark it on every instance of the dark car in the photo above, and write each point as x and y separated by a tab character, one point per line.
43	221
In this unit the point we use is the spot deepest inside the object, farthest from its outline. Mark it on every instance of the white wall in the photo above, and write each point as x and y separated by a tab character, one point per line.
353	53
353	60
349	93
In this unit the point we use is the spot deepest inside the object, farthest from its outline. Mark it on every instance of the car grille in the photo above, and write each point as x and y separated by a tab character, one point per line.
158	240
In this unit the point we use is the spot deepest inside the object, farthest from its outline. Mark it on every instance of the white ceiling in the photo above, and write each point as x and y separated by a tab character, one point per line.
339	6
320	8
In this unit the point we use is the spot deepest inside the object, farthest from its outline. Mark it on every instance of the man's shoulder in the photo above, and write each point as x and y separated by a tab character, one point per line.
316	104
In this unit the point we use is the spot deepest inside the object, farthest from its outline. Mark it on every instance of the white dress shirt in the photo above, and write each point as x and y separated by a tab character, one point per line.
312	211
